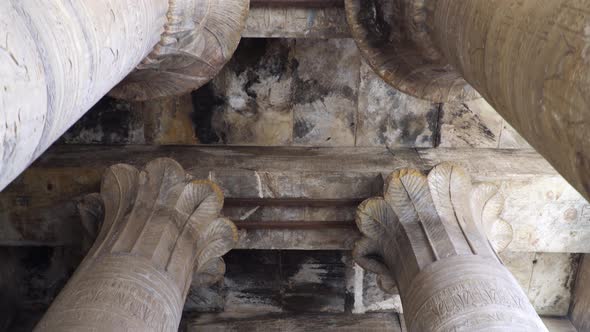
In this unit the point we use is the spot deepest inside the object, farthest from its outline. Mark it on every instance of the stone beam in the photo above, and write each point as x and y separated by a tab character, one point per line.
425	236
270	192
528	59
58	59
161	233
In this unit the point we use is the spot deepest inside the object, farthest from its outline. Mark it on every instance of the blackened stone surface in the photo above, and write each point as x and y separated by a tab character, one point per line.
30	279
325	92
388	117
110	121
276	281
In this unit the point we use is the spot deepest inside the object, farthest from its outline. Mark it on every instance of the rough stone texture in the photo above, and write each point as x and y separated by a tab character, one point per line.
579	313
161	233
167	120
546	278
473	124
108	122
35	207
554	216
268	281
159	122
30	278
282	92
293	92
552	281
296	323
326	92
423	236
324	23
388	117
254	91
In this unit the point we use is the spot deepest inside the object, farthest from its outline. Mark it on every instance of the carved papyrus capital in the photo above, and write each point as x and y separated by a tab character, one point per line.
425	236
161	230
198	39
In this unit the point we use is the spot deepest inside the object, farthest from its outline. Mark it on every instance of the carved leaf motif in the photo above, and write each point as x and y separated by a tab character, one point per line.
118	191
375	218
487	205
450	187
369	255
91	210
209	273
218	238
479	198
199	38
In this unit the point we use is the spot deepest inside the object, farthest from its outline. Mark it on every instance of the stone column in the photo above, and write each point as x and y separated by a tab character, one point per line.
161	232
528	58
424	237
57	59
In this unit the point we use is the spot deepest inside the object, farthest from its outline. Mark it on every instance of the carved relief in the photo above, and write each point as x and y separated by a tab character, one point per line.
426	236
199	38
161	231
392	36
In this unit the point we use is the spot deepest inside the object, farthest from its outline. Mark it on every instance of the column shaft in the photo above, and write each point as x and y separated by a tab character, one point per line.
57	59
530	59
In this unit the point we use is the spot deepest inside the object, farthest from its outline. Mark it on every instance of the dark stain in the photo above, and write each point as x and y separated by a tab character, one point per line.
301	128
372	18
574	263
480	125
279	278
411	127
206	101
249	53
308	91
109	118
255	55
433	118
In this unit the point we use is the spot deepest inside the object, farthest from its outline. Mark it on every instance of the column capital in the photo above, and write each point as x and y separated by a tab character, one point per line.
198	40
161	233
426	236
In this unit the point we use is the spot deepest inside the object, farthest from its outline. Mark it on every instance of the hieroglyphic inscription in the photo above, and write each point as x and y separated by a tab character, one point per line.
468	296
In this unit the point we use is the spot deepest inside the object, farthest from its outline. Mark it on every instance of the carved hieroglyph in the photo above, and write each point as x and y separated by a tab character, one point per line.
424	236
199	38
161	232
527	58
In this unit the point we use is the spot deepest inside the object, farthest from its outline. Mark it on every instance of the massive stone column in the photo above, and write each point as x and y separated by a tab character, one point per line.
58	58
161	232
425	237
528	58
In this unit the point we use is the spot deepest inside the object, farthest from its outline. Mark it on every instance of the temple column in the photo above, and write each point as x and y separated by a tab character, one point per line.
528	58
57	59
161	233
425	236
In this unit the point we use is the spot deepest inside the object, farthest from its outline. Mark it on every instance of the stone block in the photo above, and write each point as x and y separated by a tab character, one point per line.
388	117
273	22
473	124
324	95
